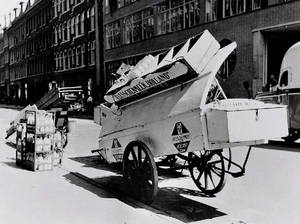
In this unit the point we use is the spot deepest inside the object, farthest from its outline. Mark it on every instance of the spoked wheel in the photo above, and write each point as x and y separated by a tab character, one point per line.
140	173
207	170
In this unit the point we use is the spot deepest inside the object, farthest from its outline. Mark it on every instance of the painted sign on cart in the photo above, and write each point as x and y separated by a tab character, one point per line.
117	150
181	137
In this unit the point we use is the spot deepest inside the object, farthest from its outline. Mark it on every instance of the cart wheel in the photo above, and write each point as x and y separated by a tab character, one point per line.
207	170
140	172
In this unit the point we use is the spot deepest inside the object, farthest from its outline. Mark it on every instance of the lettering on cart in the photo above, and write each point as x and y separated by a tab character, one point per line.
146	84
181	137
152	80
117	150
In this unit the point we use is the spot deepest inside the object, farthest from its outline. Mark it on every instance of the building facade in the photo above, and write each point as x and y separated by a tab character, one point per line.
82	42
50	42
262	29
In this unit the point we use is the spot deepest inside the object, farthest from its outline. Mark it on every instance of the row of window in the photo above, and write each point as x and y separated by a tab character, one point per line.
18	72
168	16
40	66
75	57
111	5
176	15
172	15
35	45
41	18
61	6
74	26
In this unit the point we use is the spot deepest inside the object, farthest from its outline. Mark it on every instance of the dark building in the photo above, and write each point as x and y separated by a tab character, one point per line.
69	42
74	43
49	43
263	30
28	57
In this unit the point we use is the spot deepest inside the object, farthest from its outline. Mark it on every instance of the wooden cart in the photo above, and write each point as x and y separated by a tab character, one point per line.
183	112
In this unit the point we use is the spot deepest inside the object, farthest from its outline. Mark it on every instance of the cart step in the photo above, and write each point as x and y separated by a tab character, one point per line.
96	150
238	174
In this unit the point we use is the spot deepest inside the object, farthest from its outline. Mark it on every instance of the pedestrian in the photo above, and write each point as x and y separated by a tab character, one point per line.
89	103
272	83
248	89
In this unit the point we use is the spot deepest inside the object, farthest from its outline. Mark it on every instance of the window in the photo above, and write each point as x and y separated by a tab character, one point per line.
68	30
82	23
89	54
175	15
93	53
93	18
82	54
58	5
70	58
78	56
284	79
66	64
59	32
61	61
55	8
113	35
63	32
228	65
148	23
63	5
72	26
78	26
220	9
106	7
74	57
56	35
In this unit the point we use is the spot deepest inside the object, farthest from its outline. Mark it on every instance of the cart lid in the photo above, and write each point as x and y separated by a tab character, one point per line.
179	64
197	94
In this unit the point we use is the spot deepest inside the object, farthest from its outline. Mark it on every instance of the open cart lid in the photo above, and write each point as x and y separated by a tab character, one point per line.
179	64
197	94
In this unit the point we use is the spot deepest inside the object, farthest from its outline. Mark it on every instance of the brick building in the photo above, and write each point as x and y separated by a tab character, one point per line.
69	42
49	42
263	30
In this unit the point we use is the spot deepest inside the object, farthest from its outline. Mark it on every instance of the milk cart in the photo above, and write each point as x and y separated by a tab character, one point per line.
172	105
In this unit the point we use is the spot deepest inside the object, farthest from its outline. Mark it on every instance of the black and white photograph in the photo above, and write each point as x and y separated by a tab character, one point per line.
150	111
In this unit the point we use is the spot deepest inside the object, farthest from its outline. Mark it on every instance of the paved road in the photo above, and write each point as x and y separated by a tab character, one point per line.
59	196
267	194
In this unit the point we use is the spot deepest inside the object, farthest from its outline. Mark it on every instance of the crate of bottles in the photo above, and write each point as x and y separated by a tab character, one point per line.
40	129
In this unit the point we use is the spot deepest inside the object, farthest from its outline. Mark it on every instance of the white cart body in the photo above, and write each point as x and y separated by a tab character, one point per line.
178	119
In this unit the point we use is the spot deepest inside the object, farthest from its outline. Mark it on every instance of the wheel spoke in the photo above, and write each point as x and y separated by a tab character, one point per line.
139	157
146	161
216	169
140	172
135	160
200	175
211	173
214	162
211	179
205	180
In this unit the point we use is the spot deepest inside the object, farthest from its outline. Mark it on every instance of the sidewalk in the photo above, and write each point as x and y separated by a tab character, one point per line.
75	114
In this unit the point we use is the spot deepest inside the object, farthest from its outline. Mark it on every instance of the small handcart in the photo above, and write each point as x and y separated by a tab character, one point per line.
173	106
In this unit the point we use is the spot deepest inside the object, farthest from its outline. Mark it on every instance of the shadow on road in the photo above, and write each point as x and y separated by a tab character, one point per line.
170	201
280	145
13	164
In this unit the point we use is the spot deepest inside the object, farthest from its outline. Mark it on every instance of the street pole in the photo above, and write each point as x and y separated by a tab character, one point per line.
100	81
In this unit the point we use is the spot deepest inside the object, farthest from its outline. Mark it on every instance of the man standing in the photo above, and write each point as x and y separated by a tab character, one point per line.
89	103
248	89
